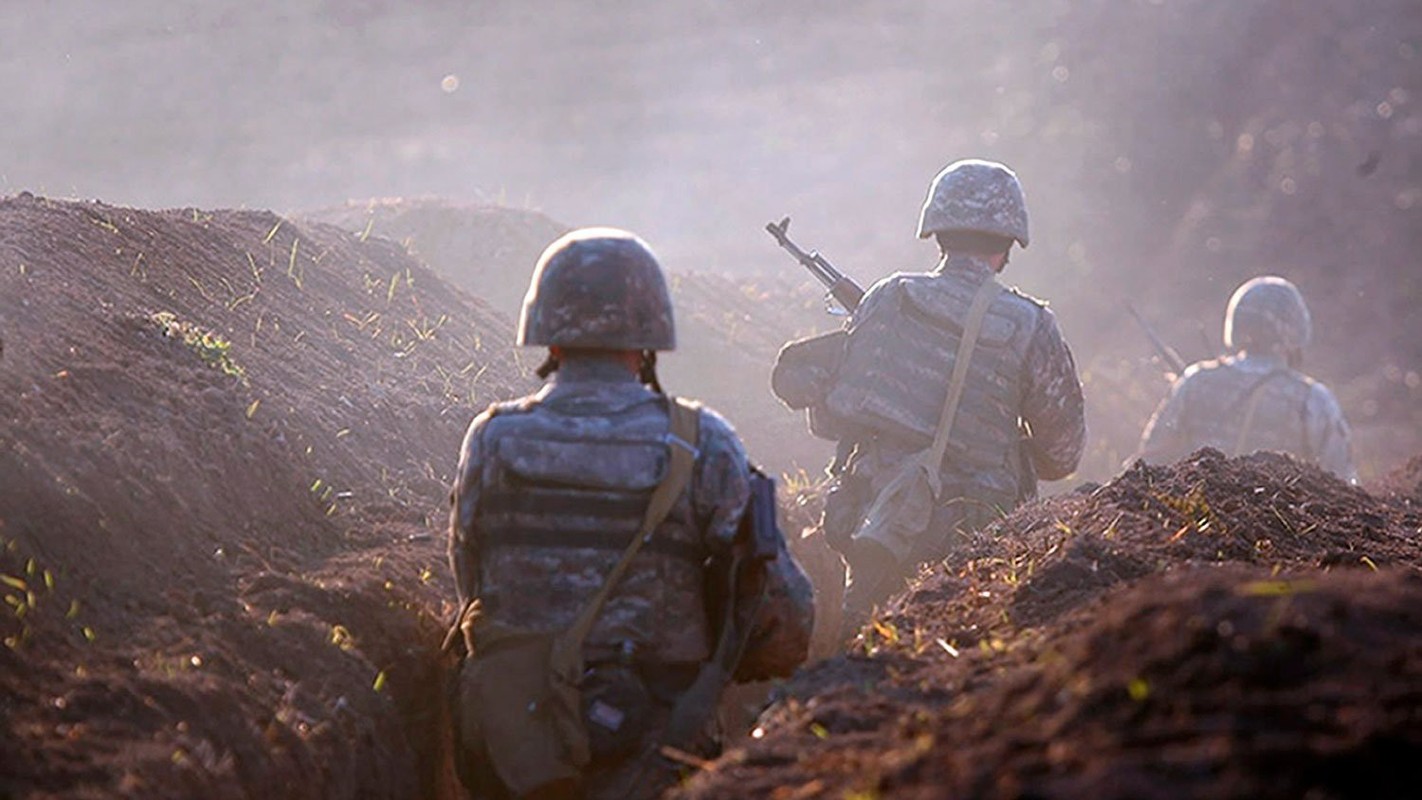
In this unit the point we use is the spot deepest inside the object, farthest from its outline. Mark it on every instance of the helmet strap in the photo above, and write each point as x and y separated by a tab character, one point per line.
647	371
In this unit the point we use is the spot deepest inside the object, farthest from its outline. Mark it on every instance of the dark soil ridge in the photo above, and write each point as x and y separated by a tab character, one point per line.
1218	628
226	583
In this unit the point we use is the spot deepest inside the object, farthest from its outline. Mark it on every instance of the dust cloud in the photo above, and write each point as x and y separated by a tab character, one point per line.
1169	148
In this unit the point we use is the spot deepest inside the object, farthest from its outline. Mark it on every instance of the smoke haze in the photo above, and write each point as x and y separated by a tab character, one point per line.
1169	148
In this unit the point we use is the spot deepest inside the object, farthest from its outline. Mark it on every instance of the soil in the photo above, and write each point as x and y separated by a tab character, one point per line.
227	444
1220	628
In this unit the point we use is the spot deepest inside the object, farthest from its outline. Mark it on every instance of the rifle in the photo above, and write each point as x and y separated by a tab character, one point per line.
1167	353
841	287
757	542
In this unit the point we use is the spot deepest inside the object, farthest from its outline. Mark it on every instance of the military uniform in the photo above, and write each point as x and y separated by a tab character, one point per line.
882	390
1254	399
1021	417
552	487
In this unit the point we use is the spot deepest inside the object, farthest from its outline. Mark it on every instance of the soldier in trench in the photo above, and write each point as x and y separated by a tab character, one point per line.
1256	398
591	662
949	394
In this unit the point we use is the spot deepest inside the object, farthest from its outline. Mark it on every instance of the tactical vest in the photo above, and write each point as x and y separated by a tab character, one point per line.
1220	394
560	500
897	366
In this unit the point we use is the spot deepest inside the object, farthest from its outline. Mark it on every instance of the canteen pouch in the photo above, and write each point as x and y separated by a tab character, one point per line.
521	713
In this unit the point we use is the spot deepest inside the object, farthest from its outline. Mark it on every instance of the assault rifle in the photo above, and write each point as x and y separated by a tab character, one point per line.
841	287
1167	353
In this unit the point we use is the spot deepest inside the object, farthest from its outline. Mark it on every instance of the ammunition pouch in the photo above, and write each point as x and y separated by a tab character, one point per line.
618	710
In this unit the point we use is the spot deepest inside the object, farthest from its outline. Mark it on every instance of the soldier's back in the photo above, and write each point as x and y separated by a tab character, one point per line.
568	477
1239	405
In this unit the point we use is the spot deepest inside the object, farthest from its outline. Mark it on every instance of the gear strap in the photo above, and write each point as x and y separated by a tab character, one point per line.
972	329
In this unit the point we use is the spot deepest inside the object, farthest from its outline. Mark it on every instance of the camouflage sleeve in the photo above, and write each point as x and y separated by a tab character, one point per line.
780	633
1053	406
1328	434
464	502
722	481
804	367
1165	440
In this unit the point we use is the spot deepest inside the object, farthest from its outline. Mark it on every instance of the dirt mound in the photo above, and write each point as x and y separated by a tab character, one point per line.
1179	631
728	329
226	446
488	249
1404	482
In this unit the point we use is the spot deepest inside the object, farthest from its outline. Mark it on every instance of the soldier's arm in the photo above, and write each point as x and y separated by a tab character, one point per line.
1053	406
463	522
721	482
780	639
1328	433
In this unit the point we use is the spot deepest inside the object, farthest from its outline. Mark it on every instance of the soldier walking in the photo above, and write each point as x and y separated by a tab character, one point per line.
1256	398
594	539
950	395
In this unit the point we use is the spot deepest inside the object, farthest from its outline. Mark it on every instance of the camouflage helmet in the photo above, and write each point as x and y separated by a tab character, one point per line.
598	288
1267	314
975	195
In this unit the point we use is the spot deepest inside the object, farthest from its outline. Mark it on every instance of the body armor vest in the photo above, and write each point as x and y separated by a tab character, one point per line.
560	501
1220	395
898	363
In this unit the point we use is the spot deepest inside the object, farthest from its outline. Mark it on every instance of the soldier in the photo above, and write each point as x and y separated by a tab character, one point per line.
1256	398
557	578
949	394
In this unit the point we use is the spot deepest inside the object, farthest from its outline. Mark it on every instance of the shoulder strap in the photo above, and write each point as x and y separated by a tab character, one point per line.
685	430
972	329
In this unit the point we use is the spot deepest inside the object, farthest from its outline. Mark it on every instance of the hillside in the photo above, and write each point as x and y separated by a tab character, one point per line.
226	448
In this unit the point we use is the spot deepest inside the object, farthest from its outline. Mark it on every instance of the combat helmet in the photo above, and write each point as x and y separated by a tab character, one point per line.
598	288
975	195
1267	314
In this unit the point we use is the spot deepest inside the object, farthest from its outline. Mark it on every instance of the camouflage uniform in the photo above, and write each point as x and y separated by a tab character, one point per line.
551	488
1209	405
882	391
1021	417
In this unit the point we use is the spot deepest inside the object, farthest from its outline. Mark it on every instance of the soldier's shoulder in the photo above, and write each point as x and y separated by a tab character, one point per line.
503	414
1210	367
713	423
1017	295
896	281
717	433
1323	395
